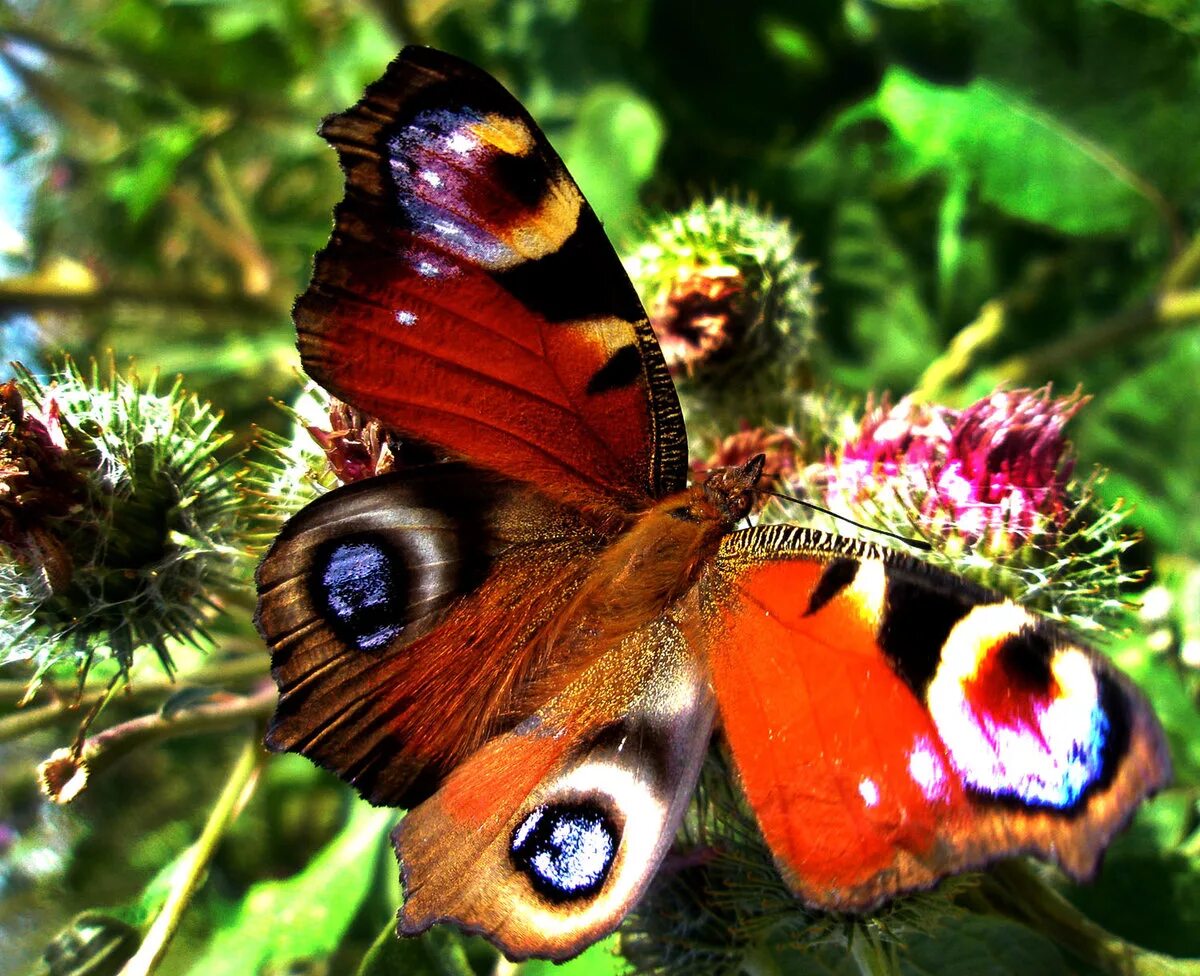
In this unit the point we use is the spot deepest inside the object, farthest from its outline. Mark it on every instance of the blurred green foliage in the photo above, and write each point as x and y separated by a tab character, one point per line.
991	191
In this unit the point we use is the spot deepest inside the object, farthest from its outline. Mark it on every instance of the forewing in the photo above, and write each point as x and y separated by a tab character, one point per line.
546	837
469	297
892	724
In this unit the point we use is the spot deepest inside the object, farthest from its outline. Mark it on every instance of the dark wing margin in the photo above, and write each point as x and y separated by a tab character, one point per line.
469	297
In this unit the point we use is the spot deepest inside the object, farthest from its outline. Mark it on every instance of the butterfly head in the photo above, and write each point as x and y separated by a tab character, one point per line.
731	491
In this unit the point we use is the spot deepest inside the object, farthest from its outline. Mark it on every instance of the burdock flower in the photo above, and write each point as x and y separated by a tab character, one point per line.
995	479
995	473
124	486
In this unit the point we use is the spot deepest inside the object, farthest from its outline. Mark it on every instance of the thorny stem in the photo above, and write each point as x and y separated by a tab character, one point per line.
1015	890
190	873
105	748
65	706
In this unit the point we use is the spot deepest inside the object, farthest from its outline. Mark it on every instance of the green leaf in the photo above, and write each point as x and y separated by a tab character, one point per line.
1021	159
1149	890
611	150
892	329
1145	428
602	959
391	955
305	916
1183	15
979	945
141	184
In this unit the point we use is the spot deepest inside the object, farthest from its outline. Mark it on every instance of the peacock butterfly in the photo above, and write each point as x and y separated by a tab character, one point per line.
527	642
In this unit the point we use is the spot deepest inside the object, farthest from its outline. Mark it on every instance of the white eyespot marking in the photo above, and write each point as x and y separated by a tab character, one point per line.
1018	717
927	770
526	827
362	585
868	791
462	143
566	848
405	317
432	178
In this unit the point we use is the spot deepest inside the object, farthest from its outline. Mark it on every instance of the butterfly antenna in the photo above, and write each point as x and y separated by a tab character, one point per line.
915	543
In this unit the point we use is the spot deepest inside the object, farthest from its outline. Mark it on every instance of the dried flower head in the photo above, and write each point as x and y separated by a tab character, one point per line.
357	446
701	318
145	516
330	443
41	482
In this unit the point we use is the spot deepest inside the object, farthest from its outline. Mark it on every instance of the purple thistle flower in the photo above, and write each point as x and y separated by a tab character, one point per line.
996	471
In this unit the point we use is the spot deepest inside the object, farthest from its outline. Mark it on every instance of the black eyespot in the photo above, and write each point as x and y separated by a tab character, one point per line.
361	586
565	849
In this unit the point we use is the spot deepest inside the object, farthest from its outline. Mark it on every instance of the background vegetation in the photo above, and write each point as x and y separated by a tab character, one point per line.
989	192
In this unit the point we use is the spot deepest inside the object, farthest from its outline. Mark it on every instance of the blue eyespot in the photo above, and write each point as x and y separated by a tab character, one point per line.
361	586
565	849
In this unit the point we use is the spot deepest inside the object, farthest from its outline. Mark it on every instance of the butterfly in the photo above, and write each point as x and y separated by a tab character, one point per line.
528	640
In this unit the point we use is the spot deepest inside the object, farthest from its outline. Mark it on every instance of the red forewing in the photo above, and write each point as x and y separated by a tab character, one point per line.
892	724
469	297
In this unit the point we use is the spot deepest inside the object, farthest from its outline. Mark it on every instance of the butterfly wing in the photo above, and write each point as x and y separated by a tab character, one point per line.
468	296
548	835
401	613
892	724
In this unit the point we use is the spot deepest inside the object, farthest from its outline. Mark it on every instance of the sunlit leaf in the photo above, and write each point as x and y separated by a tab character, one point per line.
601	959
1020	157
611	149
305	916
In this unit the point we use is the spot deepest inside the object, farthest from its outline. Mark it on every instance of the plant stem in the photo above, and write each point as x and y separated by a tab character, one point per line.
57	775
445	950
234	672
962	353
1167	311
1185	268
238	789
32	294
1016	891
